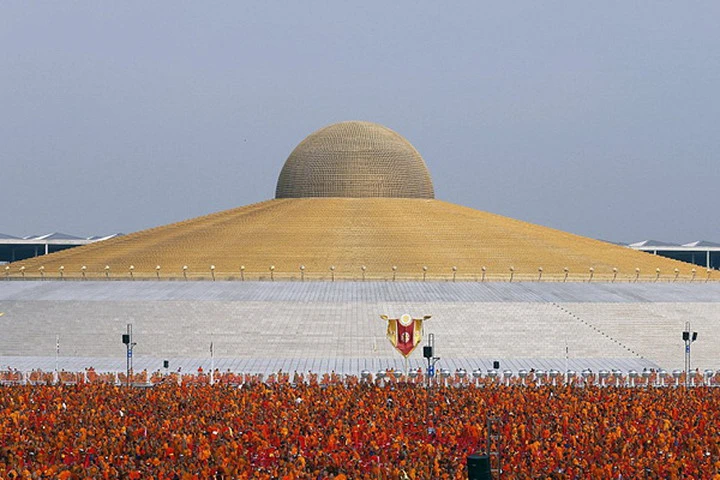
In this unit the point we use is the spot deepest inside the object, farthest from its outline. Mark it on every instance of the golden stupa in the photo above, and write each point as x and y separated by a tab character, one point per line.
355	201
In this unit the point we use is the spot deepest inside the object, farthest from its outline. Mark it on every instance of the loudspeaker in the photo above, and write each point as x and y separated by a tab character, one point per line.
126	339
478	467
496	365
166	364
427	351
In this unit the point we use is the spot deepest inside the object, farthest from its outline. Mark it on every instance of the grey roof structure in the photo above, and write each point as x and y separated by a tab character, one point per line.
16	248
701	243
652	243
57	236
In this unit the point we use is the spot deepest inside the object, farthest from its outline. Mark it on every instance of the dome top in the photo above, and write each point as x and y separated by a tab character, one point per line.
354	159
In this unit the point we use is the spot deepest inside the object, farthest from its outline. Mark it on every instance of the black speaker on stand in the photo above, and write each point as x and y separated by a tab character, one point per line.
478	467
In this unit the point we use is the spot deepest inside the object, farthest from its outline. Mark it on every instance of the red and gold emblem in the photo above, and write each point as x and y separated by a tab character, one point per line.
405	333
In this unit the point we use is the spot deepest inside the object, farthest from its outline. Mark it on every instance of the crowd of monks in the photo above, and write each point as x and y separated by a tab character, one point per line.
301	428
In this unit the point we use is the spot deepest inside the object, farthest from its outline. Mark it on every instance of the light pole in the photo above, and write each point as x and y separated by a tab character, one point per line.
131	268
484	269
157	271
540	270
332	272
394	270
567	271
212	272
242	273
107	271
363	268
615	272
62	269
429	355
592	272
184	269
454	270
688	337
272	270
302	273
129	344
82	270
424	269
512	273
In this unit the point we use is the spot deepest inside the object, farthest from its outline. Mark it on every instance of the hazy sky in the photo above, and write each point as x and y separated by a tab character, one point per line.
599	118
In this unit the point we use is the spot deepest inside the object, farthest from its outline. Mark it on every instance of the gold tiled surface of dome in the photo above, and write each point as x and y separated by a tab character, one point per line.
354	159
351	233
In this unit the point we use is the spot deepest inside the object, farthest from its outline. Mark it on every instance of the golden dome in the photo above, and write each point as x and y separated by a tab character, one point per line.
354	159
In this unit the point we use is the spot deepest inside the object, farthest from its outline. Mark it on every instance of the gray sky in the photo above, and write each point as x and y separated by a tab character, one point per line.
598	118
